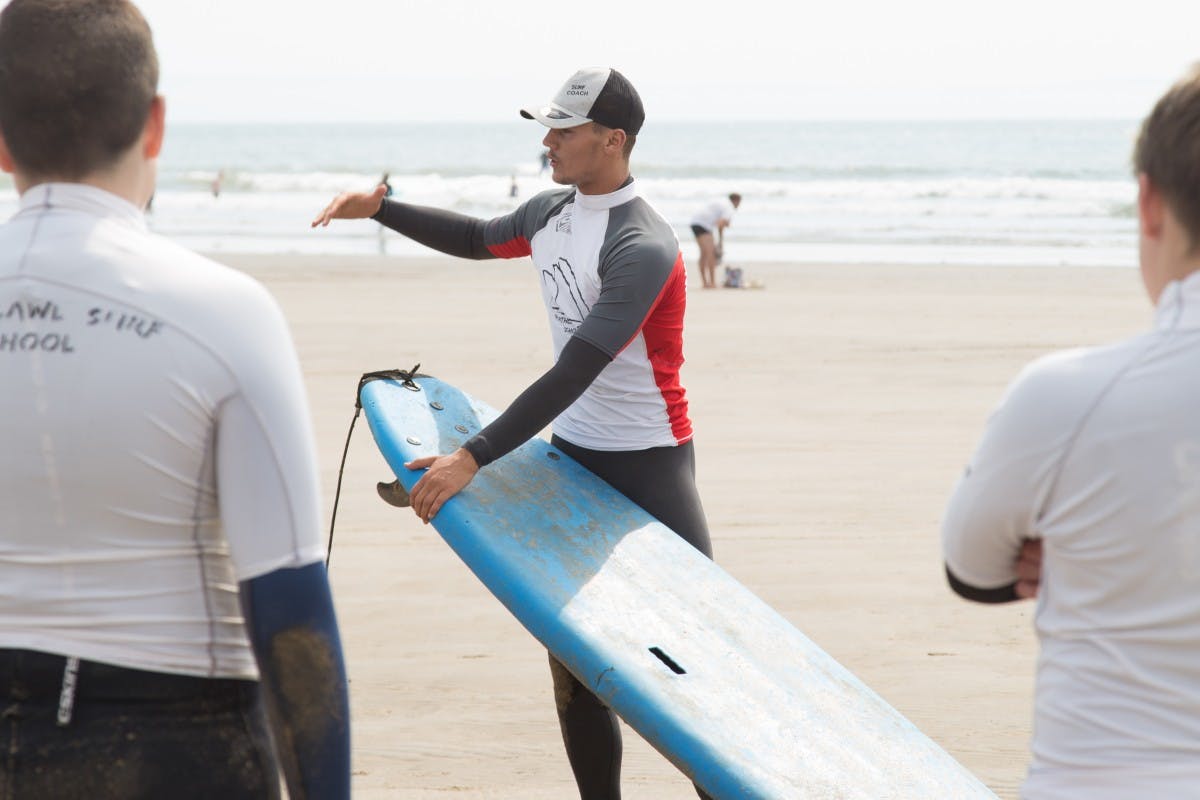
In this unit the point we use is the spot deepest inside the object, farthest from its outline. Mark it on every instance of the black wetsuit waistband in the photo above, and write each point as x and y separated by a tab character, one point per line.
33	675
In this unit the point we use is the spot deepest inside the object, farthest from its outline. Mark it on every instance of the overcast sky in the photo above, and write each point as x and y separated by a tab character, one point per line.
431	60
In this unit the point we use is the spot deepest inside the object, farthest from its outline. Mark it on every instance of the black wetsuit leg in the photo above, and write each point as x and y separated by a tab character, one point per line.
662	480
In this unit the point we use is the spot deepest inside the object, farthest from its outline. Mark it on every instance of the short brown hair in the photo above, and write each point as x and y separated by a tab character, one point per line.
77	79
1168	151
630	141
630	138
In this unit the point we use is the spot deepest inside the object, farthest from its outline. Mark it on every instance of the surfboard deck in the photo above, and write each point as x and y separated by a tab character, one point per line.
715	679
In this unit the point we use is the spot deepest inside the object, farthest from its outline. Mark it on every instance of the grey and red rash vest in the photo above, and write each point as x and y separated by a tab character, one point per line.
611	274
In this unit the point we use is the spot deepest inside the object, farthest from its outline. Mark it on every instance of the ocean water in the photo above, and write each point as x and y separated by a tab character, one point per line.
1003	192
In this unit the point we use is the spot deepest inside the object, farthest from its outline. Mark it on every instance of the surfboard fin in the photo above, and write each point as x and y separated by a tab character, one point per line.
393	494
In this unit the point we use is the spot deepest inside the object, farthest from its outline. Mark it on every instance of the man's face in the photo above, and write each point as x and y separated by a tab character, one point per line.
575	153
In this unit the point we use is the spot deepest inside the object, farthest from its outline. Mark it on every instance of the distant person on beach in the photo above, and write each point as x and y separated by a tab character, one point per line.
166	626
613	283
387	192
216	183
1085	493
715	217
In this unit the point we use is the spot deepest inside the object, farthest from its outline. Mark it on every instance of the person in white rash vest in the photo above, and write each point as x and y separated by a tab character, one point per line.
166	624
713	217
1085	493
614	284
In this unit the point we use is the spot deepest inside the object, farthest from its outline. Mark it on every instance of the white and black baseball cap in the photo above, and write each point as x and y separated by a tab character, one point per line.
596	94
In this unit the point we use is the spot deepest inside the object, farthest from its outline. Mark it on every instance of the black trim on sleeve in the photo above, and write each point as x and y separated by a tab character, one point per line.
1003	594
444	231
578	365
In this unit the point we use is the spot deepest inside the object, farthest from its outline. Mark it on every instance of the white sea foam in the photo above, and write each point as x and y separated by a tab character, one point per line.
1004	193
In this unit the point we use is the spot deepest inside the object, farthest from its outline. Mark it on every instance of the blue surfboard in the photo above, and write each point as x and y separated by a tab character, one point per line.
715	679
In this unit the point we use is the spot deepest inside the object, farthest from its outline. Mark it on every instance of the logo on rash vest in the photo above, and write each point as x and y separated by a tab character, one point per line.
563	295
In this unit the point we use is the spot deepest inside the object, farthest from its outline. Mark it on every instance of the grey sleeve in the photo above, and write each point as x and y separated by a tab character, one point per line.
444	231
640	263
536	407
469	237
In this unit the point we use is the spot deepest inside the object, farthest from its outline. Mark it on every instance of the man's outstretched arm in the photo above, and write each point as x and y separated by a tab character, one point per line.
445	231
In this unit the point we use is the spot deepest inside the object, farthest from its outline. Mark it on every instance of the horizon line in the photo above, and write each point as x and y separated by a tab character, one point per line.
672	121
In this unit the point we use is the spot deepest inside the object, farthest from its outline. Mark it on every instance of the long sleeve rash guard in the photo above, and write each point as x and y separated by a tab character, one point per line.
614	286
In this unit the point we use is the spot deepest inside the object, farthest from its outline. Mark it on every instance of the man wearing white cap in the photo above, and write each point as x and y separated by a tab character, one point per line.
614	285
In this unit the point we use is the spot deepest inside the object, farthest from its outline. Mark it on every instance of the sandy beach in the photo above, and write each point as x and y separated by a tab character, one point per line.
834	410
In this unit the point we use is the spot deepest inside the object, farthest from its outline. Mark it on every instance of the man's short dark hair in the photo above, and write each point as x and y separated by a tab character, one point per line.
1168	151
630	141
77	78
630	138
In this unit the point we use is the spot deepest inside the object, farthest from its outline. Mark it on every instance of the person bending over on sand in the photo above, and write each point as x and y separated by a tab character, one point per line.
166	626
1085	493
716	216
613	281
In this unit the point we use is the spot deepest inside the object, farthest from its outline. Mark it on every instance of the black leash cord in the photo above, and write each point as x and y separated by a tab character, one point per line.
405	377
338	494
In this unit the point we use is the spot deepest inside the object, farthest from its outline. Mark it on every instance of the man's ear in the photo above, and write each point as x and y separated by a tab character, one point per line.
6	160
156	126
1151	208
616	140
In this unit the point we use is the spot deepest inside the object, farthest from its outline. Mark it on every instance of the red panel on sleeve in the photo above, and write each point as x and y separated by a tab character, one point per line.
663	334
513	248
